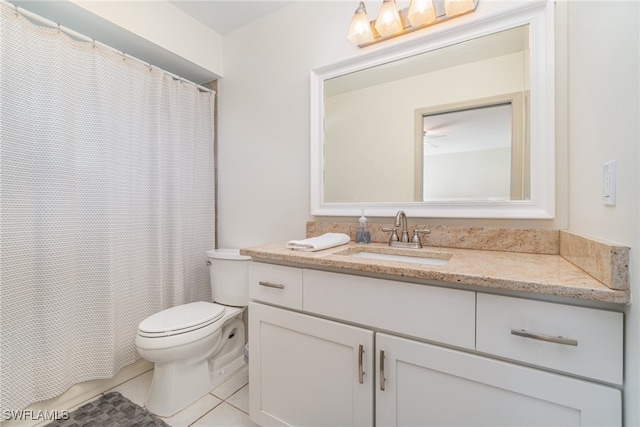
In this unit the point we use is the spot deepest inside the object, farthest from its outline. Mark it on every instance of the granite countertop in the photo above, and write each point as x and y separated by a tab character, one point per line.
544	274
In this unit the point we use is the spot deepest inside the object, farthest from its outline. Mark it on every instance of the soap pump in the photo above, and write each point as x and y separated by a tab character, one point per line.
362	235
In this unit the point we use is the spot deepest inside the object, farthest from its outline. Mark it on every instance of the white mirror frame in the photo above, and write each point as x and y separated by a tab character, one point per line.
539	16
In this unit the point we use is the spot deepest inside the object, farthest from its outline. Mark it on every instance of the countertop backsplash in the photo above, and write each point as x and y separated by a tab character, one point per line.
607	262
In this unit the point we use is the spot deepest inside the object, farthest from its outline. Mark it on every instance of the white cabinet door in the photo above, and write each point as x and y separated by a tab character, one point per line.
306	371
427	385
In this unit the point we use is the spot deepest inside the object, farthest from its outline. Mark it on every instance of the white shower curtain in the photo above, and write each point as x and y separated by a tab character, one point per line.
106	206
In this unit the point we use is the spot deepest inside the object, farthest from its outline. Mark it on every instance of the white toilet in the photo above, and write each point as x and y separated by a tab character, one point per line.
197	346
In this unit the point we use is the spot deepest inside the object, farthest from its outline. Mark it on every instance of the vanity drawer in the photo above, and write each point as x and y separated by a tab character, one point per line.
276	284
427	312
582	341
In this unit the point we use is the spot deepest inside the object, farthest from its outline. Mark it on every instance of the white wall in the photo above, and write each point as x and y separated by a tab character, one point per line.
263	117
488	174
604	120
264	131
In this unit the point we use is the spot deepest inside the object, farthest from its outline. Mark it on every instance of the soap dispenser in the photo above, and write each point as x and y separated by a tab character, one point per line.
362	235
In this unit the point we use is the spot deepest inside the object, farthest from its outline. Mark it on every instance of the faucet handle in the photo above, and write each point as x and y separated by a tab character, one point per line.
394	234
416	238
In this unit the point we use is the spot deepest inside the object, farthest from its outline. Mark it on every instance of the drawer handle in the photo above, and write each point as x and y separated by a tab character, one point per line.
271	285
382	370
361	364
541	337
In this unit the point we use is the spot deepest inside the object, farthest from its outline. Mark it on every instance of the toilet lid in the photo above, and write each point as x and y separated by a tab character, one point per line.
182	318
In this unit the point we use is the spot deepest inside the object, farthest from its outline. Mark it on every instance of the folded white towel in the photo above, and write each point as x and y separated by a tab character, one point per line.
327	240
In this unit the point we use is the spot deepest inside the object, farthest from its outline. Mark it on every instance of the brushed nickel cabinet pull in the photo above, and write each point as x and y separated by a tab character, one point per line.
542	337
271	285
382	370
360	364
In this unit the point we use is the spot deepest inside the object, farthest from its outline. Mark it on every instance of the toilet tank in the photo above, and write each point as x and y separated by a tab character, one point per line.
229	273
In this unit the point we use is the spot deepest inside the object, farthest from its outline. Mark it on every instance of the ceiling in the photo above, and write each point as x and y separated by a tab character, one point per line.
224	16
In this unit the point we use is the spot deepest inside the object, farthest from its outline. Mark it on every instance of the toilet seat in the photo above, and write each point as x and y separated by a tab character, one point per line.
181	319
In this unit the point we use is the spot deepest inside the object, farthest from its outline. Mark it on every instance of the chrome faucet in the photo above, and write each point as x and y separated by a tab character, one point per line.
401	219
403	241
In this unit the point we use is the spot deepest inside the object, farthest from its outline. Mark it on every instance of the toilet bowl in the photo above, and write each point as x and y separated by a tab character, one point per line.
197	346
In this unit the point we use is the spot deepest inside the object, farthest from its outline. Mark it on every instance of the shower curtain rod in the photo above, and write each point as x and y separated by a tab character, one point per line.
81	37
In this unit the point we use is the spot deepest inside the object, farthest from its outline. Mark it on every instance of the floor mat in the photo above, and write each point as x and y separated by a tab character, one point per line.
110	410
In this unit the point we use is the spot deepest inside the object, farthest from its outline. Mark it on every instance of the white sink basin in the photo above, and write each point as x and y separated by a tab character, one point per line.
414	256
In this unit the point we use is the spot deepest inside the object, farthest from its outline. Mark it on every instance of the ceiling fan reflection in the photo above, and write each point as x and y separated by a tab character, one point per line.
427	138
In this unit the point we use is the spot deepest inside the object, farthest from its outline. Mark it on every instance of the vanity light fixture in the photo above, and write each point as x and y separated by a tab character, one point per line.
388	21
360	28
421	12
392	23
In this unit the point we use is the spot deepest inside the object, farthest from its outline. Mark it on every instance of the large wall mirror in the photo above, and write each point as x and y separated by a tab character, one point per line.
457	124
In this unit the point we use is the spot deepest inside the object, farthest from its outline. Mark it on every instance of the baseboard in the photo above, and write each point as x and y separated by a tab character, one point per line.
78	394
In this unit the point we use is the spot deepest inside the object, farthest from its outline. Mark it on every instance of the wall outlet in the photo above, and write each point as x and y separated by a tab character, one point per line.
609	183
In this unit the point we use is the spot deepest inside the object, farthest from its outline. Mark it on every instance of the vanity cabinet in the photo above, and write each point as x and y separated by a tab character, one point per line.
370	351
307	371
429	385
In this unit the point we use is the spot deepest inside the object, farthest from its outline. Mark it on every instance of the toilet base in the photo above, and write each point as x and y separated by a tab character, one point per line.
190	389
176	385
223	374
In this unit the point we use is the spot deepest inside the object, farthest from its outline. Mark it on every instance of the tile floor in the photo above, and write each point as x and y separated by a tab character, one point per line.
227	405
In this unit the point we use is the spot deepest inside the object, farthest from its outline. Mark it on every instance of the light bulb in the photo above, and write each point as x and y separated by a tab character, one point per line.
421	12
388	20
360	28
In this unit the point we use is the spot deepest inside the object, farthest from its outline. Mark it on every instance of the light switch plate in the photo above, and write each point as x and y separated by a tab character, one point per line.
609	183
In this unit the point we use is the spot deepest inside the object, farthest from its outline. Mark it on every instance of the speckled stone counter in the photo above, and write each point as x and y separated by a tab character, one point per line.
545	274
